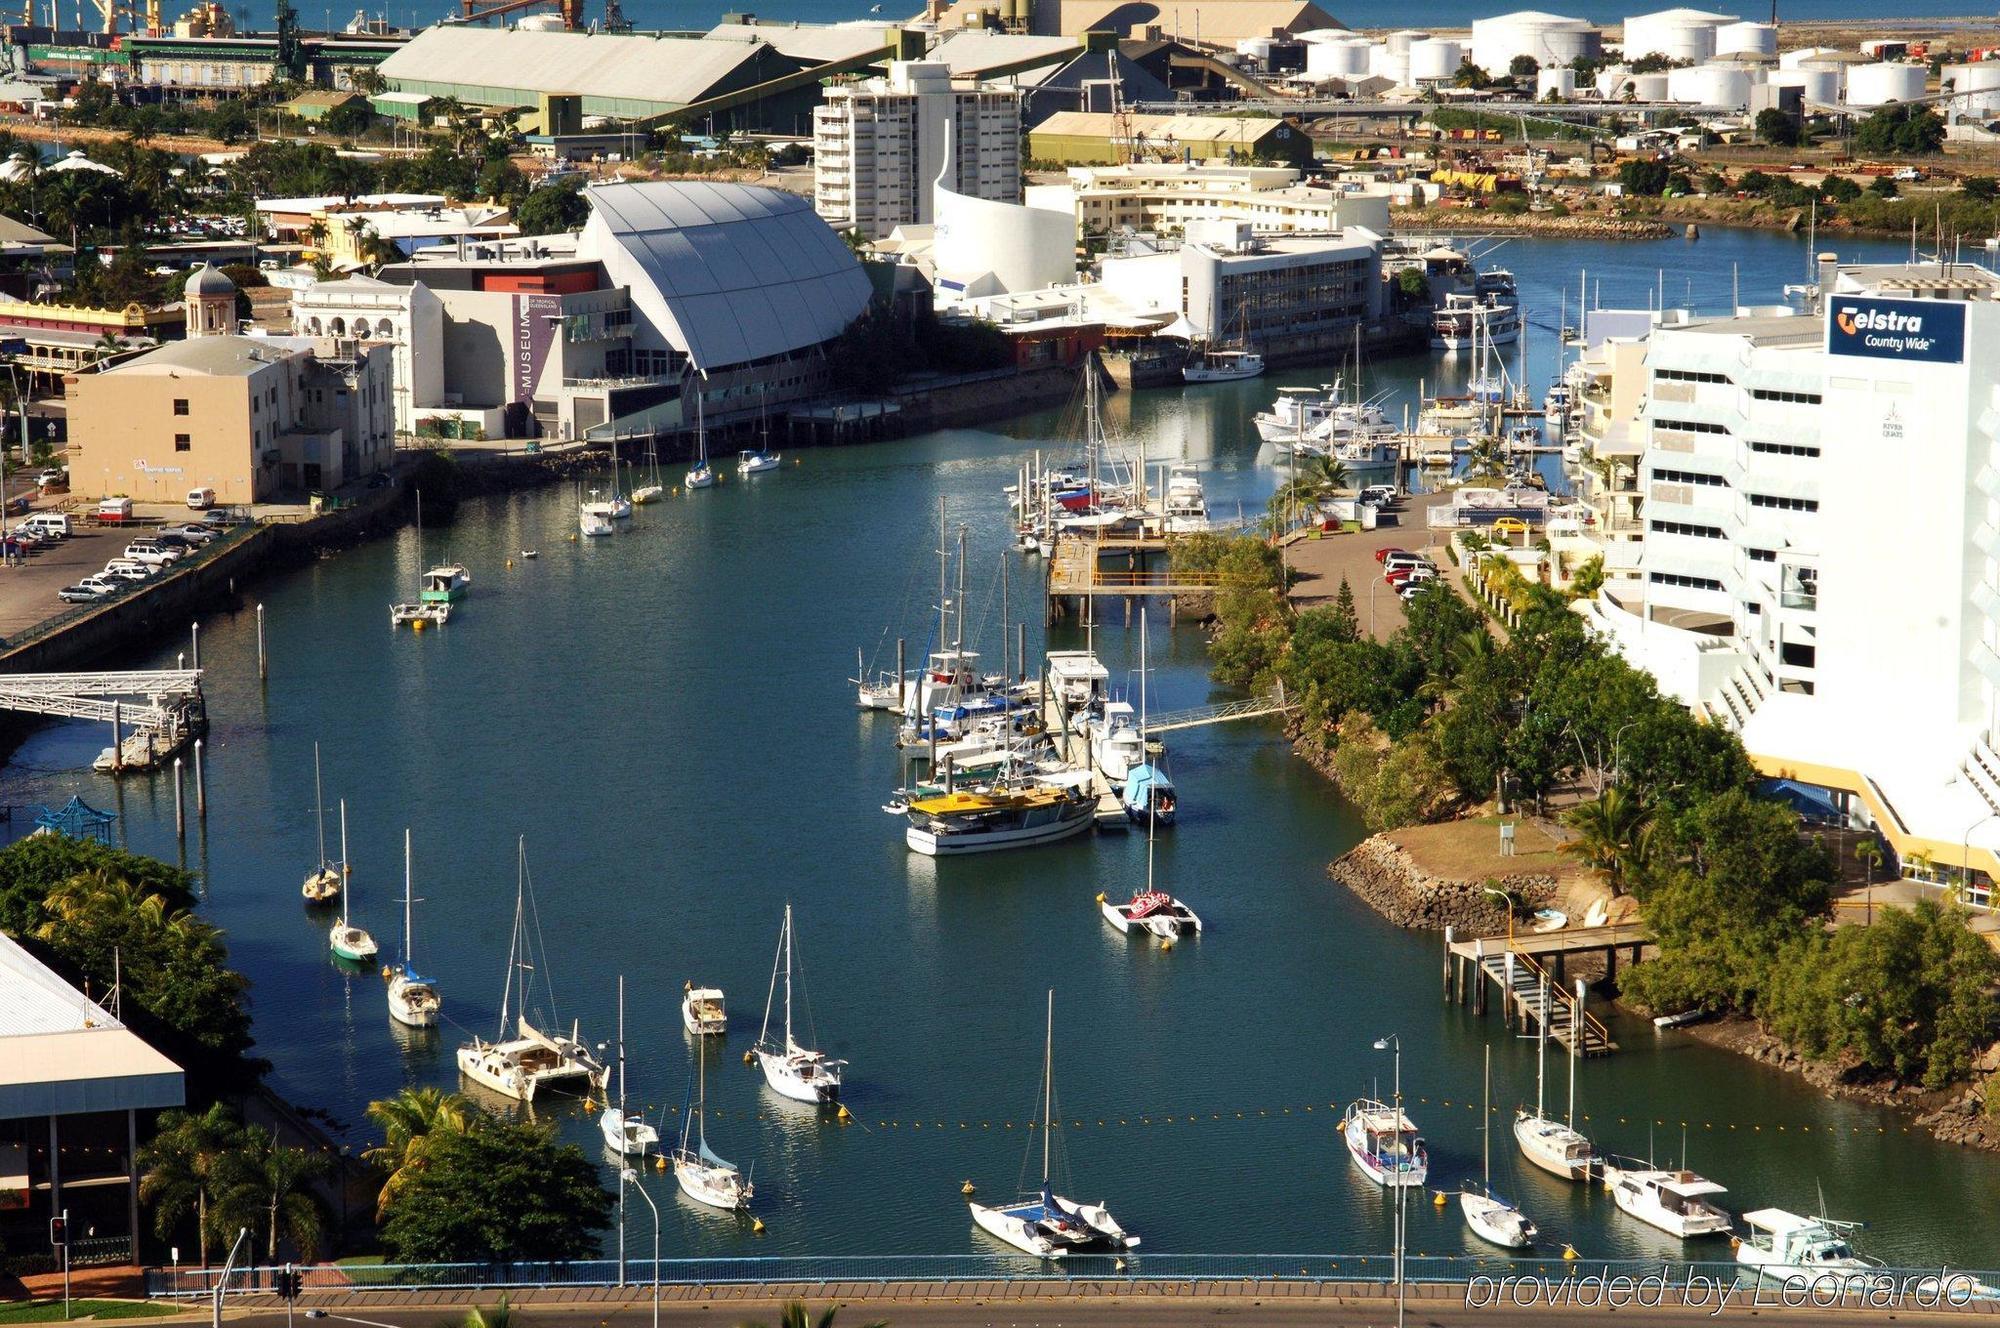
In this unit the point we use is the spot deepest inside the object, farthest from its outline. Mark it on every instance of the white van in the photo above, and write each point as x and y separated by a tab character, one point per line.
201	500
54	525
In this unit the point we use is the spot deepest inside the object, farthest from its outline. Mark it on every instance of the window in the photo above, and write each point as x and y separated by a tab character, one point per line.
1799	398
1676	579
1762	556
1689	477
1784	449
1689	376
1683	528
183	443
1783	504
180	406
1689	426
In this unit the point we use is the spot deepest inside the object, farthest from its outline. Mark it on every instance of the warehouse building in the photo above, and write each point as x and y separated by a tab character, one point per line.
1084	138
1210	22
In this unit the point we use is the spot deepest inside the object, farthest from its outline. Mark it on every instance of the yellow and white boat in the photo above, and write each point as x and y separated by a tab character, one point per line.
1003	817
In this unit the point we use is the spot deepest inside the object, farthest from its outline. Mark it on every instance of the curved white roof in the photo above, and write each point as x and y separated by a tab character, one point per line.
728	273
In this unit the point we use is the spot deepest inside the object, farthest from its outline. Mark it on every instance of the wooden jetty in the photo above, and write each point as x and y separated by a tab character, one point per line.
1079	577
1528	971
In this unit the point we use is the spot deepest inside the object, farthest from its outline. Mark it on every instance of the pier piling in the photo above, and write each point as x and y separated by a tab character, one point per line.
180	808
200	784
1479	988
117	741
194	643
1447	963
1021	650
902	686
1507	1007
263	664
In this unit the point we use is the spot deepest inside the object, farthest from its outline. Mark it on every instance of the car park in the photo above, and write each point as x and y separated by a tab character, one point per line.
1384	555
151	551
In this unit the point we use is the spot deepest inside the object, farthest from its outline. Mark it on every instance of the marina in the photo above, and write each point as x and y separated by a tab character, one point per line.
742	785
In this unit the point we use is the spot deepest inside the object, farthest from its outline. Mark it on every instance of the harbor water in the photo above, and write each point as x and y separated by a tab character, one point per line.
666	717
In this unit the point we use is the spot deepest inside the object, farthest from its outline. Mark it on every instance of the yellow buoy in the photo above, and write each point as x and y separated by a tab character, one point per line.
1100	896
1166	945
749	1059
659	1161
387	972
844	1115
1569	1252
510	562
967	1188
757	1225
1438	1198
417	624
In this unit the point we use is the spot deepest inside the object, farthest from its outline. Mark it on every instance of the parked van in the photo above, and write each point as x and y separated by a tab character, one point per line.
114	511
201	499
55	525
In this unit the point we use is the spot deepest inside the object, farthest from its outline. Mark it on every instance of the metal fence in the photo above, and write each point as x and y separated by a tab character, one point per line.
1472	1271
229	538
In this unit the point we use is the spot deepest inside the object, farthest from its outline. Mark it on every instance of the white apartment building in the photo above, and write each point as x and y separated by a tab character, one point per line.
882	145
369	312
1153	197
1820	568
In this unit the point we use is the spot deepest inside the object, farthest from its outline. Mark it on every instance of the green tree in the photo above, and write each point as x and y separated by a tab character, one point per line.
181	1171
502	1191
413	1122
1780	130
1643	179
1609	830
1840	189
1900	130
1589	578
1981	188
265	1184
795	1315
553	209
1524	66
1470	75
1883	186
350	119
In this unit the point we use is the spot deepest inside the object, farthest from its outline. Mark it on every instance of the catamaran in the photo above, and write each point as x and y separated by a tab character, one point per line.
793	1071
1491	1217
322	884
1048	1224
1384	1143
625	1133
1556	1146
702	1175
349	941
521	1066
701	1010
413	998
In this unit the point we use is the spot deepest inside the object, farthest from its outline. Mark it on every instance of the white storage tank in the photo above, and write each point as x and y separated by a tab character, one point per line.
1547	39
1709	85
1982	80
1878	85
1746	39
1823	84
1805	55
1560	81
1346	57
1686	35
1612	81
1257	48
1649	87
1399	42
1385	63
1434	60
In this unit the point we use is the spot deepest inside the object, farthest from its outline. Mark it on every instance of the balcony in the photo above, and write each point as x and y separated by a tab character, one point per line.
624	380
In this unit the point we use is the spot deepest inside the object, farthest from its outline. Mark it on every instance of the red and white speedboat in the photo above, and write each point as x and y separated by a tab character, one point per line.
1153	911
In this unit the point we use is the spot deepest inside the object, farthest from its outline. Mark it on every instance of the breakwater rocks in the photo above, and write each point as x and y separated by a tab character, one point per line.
1575	226
1390	881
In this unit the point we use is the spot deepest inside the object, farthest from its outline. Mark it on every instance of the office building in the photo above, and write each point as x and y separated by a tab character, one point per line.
1151	197
883	145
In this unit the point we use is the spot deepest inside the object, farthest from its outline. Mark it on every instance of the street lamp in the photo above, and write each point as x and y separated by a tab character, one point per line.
1394	1042
1965	857
1506	902
631	1177
215	1317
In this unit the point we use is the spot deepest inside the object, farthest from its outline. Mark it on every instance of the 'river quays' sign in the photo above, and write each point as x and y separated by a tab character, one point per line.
1873	328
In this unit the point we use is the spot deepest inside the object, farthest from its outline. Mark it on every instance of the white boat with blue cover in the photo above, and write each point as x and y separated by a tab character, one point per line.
1148	793
702	1175
1046	1224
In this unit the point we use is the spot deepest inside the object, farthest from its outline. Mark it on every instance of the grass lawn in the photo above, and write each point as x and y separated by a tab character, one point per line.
51	1311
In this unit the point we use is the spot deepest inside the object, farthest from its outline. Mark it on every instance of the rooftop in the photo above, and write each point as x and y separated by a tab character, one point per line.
211	356
511	65
62	1053
1243	129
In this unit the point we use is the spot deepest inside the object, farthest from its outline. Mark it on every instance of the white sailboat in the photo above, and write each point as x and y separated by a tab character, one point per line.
520	1066
793	1071
413	998
652	490
1147	793
1047	1224
625	1133
702	1175
1491	1217
322	884
703	474
349	941
616	507
1556	1146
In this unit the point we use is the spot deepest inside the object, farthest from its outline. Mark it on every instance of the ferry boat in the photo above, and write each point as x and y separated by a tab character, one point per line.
1466	322
1384	1143
1152	911
1782	1245
962	822
1676	1201
1223	366
701	1010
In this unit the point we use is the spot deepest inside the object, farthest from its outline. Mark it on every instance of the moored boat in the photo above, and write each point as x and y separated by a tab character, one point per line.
625	1133
1007	817
799	1073
322	883
755	461
1677	1201
1556	1146
347	940
1384	1143
1783	1245
702	1011
413	998
1491	1217
703	1176
1152	911
444	584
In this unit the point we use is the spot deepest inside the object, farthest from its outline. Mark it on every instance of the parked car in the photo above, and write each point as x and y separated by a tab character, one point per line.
1510	525
152	551
124	569
1401	559
1384	555
191	531
201	499
1409	590
90	588
55	525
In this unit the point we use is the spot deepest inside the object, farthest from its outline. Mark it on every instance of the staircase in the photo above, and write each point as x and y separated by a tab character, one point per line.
1981	769
1576	1029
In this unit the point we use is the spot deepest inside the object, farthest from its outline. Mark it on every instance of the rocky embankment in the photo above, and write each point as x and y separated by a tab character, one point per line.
1954	1115
1574	226
1391	882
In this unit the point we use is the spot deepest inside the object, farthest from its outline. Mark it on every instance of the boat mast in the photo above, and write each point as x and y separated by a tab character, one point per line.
788	978
346	882
1542	1049
621	1054
1486	1127
1048	1087
701	1092
409	960
944	560
1575	1037
319	807
515	961
958	616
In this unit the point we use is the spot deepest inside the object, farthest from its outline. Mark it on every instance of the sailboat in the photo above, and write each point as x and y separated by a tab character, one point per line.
322	884
625	1133
1491	1217
1148	794
593	519
522	1065
349	941
791	1070
413	998
703	474
652	490
757	460
1556	1146
1153	911
1048	1224
1227	362
617	507
702	1175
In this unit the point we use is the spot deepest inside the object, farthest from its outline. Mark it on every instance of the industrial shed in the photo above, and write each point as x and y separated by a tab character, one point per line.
1081	138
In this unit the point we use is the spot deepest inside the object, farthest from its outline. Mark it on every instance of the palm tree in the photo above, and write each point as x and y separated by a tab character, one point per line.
1325	473
1611	835
1485	459
265	1181
179	1171
106	346
500	1316
1869	854
411	1121
794	1315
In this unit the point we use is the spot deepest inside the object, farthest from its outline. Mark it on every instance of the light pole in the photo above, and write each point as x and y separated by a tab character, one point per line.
1394	1041
222	1282
1506	902
1965	857
1617	761
631	1177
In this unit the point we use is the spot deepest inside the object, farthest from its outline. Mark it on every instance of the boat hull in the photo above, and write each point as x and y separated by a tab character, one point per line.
716	1187
413	1004
934	845
1495	1222
352	943
628	1136
784	1079
1549	1148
